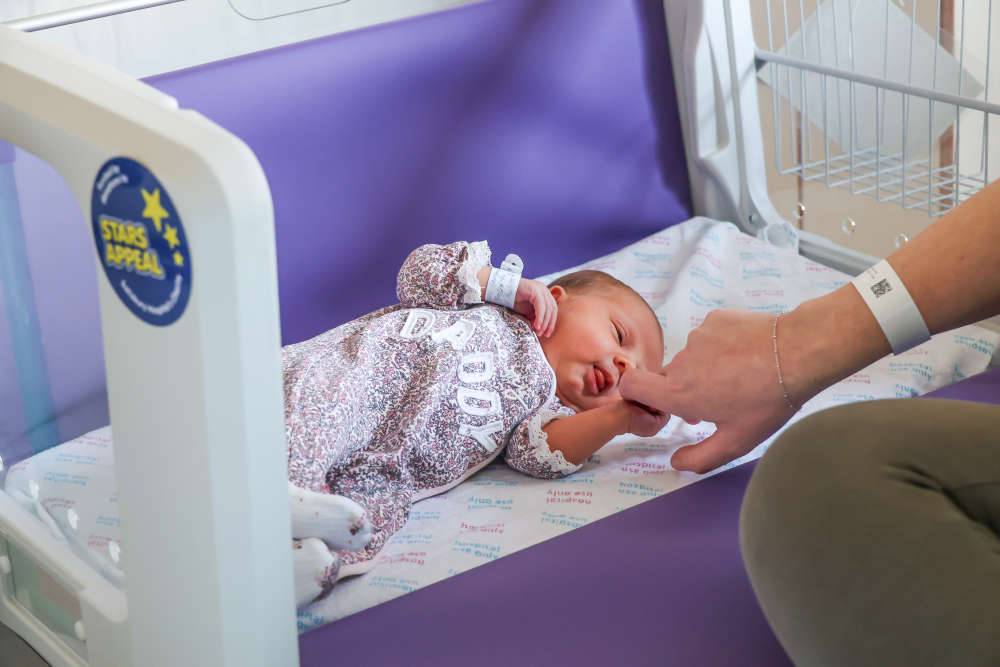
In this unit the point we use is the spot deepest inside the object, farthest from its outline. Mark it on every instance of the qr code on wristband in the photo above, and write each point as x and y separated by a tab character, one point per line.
881	288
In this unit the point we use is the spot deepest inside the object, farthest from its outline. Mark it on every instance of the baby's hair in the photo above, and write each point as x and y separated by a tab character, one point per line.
589	280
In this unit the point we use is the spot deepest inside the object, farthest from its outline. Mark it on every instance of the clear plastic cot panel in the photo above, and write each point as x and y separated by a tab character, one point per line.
52	383
888	98
52	390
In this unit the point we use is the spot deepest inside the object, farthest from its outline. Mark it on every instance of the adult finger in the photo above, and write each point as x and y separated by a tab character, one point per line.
653	392
647	388
716	450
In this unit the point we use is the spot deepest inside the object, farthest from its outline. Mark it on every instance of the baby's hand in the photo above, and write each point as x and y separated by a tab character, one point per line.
535	302
645	421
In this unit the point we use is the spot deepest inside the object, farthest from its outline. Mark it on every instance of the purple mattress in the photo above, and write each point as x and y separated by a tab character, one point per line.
660	583
982	388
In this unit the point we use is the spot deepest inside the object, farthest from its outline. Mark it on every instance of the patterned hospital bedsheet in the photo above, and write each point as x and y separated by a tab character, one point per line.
684	272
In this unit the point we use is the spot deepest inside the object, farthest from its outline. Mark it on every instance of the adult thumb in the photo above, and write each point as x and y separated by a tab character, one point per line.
718	449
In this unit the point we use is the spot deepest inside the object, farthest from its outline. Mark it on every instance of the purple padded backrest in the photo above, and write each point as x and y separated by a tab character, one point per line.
548	127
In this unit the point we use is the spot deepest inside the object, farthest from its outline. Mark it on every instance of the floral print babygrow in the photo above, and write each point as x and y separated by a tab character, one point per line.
410	400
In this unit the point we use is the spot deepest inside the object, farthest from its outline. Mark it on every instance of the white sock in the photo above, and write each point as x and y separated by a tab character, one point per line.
338	521
310	560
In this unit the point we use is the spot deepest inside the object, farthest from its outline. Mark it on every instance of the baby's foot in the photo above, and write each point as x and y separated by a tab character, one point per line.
338	521
312	563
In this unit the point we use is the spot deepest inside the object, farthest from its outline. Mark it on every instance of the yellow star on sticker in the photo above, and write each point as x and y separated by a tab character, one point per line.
171	236
154	211
178	259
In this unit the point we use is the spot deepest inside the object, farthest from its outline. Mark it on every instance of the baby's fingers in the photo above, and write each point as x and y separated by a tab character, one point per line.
647	422
552	311
541	316
545	312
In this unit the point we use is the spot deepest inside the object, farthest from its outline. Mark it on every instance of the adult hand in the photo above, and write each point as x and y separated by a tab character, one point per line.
727	375
535	302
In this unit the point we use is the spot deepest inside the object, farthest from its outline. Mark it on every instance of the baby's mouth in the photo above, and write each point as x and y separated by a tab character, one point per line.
600	379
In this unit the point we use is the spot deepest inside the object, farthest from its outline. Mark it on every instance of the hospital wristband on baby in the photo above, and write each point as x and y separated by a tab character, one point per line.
501	288
893	307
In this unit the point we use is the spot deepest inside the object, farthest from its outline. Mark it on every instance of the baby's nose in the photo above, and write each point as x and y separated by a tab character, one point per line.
623	363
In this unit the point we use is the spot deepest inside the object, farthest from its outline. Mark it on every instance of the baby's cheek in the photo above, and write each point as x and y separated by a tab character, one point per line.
612	396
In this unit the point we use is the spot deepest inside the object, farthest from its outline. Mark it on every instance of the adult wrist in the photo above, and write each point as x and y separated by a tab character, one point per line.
892	306
804	347
826	339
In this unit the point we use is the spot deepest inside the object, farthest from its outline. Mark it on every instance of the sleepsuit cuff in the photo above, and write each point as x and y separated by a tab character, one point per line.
444	277
528	449
468	273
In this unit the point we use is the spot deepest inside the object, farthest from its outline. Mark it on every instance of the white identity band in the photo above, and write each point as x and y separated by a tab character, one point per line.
502	285
892	306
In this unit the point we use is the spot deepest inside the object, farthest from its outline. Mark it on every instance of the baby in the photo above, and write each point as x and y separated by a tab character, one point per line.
406	402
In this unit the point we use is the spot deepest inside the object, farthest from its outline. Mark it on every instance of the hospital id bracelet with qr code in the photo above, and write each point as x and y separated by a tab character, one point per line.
501	288
893	307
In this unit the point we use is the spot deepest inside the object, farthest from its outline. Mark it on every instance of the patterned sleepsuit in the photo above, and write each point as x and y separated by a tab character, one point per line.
410	400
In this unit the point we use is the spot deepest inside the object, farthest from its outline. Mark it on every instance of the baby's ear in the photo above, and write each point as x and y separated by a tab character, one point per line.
557	292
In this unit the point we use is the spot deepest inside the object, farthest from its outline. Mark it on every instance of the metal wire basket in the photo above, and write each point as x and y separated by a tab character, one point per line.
889	98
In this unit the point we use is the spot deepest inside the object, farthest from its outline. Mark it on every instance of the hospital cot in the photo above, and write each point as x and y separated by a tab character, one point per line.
562	130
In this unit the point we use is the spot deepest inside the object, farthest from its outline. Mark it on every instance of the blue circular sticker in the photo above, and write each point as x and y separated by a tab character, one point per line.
141	241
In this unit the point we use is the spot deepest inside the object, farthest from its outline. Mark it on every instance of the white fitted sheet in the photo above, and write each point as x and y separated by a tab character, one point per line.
684	272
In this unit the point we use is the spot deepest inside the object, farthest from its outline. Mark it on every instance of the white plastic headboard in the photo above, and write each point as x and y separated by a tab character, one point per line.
148	37
199	460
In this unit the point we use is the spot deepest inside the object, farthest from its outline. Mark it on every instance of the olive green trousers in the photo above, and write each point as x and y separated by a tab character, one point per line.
871	535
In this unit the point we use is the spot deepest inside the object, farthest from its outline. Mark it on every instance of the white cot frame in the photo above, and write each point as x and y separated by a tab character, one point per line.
187	601
190	555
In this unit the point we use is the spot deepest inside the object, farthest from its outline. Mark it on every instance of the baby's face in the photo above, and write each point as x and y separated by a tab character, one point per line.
598	335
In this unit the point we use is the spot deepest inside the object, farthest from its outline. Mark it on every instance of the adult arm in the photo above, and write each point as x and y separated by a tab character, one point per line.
727	373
